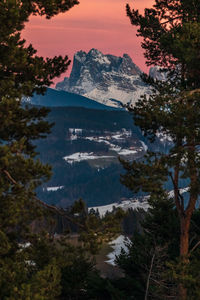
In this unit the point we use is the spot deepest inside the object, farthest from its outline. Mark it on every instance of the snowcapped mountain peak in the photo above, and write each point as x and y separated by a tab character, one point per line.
106	78
80	56
95	52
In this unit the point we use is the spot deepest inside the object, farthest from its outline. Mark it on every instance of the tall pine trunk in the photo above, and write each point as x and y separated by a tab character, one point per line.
185	215
184	251
184	237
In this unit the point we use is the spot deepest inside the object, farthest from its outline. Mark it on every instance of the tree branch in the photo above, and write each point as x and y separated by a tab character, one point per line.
180	207
149	276
195	246
172	19
60	212
55	209
9	176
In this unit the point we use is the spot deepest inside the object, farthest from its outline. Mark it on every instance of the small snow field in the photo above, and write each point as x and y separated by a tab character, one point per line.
24	245
181	191
118	244
76	130
101	59
141	203
126	152
81	156
125	205
145	147
114	140
114	147
164	138
54	188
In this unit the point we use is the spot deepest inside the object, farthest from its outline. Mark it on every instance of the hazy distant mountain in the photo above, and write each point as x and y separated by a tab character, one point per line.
105	78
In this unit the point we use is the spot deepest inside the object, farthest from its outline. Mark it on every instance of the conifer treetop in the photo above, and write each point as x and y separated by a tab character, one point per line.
171	36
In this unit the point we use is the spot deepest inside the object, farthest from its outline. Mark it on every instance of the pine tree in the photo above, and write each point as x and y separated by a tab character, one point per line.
22	73
170	32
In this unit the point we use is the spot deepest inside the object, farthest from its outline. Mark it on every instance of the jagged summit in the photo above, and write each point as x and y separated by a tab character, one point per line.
108	79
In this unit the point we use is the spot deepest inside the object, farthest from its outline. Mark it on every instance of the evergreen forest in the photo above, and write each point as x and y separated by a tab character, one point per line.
50	251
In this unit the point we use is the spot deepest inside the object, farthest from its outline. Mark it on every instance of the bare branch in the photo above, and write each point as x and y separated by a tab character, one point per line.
60	212
9	176
193	91
55	209
148	278
195	246
170	20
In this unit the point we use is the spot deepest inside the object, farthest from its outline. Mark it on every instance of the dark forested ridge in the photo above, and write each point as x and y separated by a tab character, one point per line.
54	98
96	185
83	131
90	118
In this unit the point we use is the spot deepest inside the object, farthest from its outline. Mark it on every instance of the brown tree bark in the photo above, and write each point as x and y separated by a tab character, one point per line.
184	251
185	220
185	214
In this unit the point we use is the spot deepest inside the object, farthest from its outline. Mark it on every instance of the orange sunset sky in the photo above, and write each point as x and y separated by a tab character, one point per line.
100	24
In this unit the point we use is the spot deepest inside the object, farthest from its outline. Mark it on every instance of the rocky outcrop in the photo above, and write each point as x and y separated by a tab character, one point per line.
105	78
158	73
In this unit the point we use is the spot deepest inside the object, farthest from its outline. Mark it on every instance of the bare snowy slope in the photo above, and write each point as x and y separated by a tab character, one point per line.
107	79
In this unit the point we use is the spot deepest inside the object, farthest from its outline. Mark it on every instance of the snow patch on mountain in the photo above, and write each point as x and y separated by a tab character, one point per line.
81	156
126	152
158	73
135	203
117	245
125	205
54	188
116	142
145	147
76	130
164	138
181	191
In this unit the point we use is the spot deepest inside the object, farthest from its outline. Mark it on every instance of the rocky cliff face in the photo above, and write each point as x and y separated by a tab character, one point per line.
157	73
105	78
